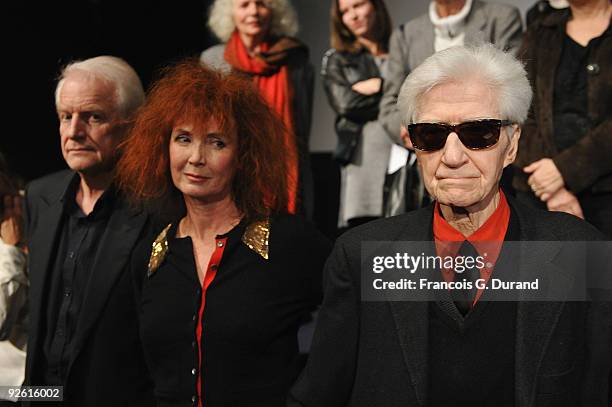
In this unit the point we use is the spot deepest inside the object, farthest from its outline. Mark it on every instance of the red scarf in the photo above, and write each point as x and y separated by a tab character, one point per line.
271	76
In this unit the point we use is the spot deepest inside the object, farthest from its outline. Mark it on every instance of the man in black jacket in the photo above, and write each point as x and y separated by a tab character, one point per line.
462	110
83	302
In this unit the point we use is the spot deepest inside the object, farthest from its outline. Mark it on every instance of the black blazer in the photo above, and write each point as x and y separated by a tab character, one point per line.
374	354
108	368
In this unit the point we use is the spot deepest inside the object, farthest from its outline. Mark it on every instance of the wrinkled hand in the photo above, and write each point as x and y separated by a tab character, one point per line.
545	178
11	226
564	201
368	87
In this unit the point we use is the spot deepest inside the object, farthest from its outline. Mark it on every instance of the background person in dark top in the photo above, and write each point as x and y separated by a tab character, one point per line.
233	275
83	313
564	157
353	72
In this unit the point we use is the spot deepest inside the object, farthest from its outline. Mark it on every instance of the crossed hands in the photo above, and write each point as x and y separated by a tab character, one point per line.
368	87
547	183
11	226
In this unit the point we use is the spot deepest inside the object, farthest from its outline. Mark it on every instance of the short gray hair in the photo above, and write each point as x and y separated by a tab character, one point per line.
284	19
501	71
129	94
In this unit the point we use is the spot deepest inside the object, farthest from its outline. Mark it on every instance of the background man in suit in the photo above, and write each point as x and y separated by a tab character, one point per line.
463	108
448	23
80	232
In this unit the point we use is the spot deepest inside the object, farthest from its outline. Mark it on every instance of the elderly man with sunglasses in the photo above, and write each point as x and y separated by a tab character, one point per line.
462	346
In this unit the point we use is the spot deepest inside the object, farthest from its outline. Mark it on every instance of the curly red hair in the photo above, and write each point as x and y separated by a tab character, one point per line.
189	92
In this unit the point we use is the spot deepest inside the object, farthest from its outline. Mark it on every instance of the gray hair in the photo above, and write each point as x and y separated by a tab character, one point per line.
129	94
501	71
284	19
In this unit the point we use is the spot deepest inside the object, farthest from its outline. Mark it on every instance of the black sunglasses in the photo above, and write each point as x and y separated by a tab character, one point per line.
475	134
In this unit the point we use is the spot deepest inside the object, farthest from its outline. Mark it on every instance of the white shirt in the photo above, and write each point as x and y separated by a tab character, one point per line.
13	288
449	31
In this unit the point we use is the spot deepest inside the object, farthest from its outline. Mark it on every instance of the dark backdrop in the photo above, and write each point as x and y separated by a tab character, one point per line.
41	37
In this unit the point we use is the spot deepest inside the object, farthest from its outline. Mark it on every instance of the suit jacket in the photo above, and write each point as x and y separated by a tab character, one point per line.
411	43
586	166
376	353
108	365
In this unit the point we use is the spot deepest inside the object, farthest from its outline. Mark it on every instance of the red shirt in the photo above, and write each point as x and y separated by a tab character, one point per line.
487	240
211	272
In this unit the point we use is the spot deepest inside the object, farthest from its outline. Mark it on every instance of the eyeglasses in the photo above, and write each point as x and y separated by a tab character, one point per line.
475	134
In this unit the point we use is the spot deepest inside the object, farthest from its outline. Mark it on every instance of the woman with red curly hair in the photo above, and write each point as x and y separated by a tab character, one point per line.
232	276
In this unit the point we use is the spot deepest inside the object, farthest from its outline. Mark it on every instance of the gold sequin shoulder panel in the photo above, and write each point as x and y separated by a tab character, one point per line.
257	237
158	251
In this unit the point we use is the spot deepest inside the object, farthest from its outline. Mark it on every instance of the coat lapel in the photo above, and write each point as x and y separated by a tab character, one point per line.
535	320
123	229
535	323
42	245
411	318
412	326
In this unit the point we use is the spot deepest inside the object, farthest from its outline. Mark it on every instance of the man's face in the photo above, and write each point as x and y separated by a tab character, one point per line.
90	124
456	175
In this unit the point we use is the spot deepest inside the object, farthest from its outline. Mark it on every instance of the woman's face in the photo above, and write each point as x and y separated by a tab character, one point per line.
358	16
252	17
203	162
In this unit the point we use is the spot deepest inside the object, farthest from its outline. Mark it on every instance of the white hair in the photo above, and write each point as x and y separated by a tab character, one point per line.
499	70
284	19
129	94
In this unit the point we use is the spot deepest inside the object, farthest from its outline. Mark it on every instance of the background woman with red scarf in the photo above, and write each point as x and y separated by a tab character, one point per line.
257	41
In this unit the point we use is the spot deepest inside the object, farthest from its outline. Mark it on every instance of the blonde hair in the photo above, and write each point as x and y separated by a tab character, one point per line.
284	19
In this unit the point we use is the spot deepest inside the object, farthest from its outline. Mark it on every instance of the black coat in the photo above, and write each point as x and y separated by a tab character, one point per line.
108	367
374	354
